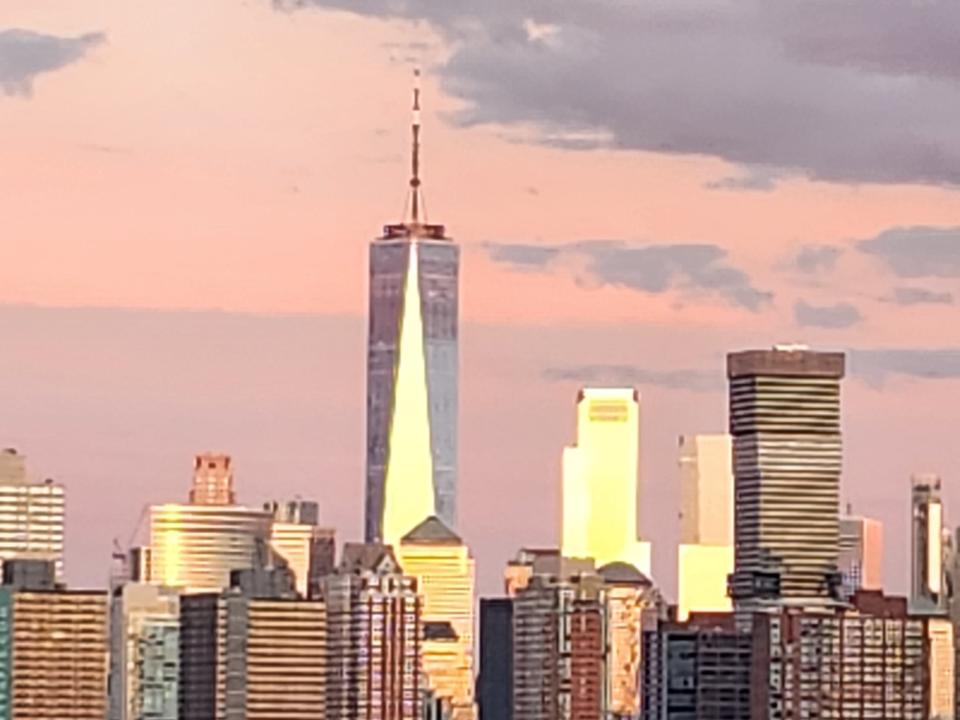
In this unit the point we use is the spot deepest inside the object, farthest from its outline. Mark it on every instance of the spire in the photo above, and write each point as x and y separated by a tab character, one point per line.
415	174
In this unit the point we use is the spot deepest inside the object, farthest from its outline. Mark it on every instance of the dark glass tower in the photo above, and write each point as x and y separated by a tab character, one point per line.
412	373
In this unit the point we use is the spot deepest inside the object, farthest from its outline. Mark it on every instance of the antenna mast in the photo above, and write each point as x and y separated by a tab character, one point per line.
415	176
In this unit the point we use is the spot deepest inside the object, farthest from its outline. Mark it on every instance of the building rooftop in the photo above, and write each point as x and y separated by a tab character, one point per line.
622	573
788	361
431	531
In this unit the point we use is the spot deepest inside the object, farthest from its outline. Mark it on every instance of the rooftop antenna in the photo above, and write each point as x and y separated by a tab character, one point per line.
415	175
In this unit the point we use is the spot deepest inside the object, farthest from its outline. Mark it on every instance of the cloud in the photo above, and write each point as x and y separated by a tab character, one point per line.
25	54
920	296
841	315
693	269
817	259
522	256
917	252
754	180
686	379
877	365
852	91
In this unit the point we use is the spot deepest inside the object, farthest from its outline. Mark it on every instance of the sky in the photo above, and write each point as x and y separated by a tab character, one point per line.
188	191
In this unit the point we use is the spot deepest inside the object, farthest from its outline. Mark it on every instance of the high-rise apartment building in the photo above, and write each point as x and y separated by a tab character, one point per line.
495	679
54	660
787	456
144	653
861	554
445	574
699	669
559	653
194	547
374	632
32	512
600	480
254	652
705	554
412	371
927	587
308	549
212	480
875	662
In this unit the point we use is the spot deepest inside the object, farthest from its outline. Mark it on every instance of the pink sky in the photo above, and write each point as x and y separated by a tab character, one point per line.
224	156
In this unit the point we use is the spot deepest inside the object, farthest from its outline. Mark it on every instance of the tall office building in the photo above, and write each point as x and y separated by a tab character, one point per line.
861	554
144	653
254	652
308	549
54	660
927	587
600	480
785	422
194	547
212	480
412	372
374	632
705	554
33	514
445	573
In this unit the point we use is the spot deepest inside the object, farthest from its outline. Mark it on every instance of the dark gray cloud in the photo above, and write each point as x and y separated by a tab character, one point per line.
852	91
522	256
920	296
877	365
817	259
840	315
25	54
685	379
694	269
916	252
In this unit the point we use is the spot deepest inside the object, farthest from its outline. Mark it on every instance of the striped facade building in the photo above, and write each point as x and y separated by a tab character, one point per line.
254	652
53	649
31	514
785	422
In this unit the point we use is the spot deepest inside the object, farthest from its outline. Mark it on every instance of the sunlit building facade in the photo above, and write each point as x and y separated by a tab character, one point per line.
705	554
194	547
412	371
31	514
927	587
144	653
600	480
445	573
861	554
308	549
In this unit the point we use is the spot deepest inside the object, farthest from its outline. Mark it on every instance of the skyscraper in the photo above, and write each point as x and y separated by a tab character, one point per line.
495	679
445	572
785	422
861	554
705	554
412	371
600	480
927	587
194	547
33	514
374	633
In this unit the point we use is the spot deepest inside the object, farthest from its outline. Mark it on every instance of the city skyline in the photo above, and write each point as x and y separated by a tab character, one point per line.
84	386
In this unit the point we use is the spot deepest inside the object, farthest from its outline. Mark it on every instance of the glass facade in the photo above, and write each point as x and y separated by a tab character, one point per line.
412	370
